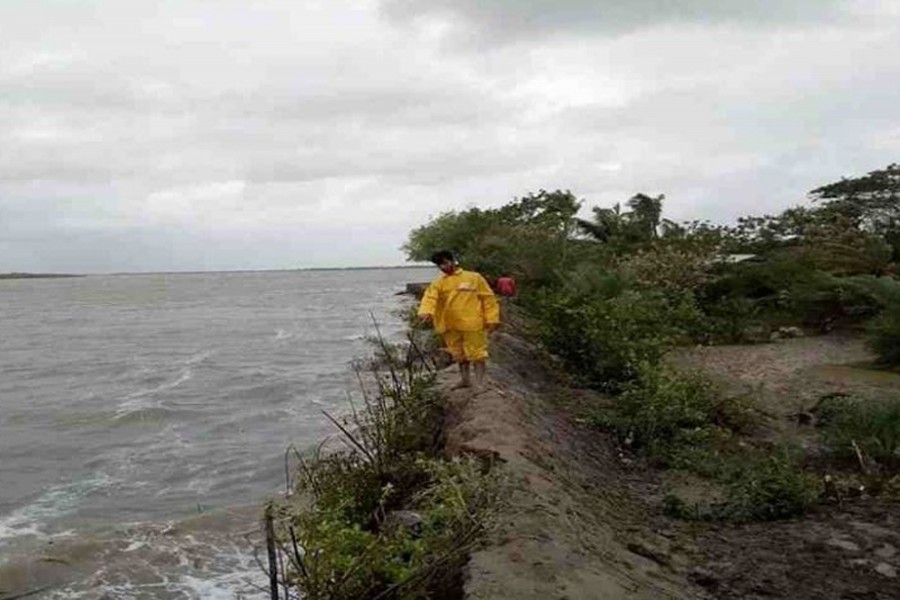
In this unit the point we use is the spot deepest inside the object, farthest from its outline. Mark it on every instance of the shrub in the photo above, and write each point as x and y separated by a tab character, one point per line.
333	557
884	336
729	320
672	267
604	341
656	408
347	539
767	487
783	289
667	413
758	487
873	426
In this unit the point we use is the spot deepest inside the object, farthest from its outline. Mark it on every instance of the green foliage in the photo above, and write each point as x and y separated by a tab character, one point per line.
529	236
346	541
758	487
336	558
870	204
683	422
613	226
729	320
605	340
673	267
871	427
786	290
884	336
663	407
839	248
770	486
455	231
821	299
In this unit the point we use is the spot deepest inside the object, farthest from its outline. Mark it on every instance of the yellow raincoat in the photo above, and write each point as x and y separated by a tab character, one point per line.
462	301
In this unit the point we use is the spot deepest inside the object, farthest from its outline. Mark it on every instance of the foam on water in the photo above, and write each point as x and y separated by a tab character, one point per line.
145	399
282	335
31	520
210	556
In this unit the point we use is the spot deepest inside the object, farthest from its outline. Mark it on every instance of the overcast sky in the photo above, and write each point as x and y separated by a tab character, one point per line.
221	134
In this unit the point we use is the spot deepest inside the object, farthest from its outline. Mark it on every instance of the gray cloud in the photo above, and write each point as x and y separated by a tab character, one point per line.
501	20
187	135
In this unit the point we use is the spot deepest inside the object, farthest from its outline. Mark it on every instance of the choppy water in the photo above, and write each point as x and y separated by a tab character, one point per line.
136	413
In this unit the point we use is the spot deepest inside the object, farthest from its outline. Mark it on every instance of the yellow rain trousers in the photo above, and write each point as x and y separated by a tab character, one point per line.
461	305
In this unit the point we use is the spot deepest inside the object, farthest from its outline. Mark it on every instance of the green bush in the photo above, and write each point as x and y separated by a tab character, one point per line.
784	290
675	417
346	539
873	426
884	336
729	320
604	341
333	557
658	407
758	487
769	487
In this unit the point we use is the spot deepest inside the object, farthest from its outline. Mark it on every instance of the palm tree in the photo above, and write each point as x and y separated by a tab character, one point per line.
607	223
646	212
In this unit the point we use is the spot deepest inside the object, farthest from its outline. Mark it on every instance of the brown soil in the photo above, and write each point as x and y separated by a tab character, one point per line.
791	376
584	521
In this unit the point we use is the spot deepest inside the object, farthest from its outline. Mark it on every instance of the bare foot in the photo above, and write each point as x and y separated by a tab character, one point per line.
461	385
480	388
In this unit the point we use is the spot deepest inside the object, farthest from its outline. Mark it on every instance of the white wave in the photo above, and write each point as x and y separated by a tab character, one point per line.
199	357
171	561
17	524
281	335
58	501
144	399
138	400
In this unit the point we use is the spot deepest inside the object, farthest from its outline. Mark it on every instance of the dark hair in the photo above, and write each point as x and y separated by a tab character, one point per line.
442	255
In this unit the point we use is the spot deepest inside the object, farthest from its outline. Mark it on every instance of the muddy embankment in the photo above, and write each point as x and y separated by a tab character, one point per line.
571	525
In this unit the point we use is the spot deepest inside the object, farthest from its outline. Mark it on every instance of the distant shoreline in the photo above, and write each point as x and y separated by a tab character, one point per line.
37	275
297	270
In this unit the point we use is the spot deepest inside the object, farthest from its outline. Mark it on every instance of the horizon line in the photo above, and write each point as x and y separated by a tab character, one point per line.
26	274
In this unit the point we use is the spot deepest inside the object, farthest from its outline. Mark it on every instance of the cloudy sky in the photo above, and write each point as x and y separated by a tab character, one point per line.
224	134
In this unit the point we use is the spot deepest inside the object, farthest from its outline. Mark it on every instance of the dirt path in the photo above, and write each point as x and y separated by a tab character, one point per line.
571	529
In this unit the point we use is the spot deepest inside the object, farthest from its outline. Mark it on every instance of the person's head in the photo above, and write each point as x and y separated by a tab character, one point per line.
444	260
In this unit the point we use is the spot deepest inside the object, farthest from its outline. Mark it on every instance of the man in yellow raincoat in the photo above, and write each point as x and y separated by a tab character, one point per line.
463	309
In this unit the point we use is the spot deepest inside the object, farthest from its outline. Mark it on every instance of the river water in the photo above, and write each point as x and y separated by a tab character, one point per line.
143	418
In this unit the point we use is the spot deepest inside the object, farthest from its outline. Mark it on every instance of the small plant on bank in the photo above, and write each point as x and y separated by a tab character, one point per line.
862	430
884	336
417	552
664	409
758	486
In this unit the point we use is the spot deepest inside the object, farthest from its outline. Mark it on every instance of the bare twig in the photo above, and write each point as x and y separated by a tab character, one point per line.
270	546
349	436
26	594
863	465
